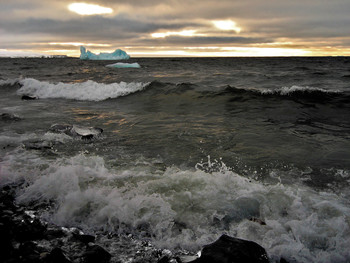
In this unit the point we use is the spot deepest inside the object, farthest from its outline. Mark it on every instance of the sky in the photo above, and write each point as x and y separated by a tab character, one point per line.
145	28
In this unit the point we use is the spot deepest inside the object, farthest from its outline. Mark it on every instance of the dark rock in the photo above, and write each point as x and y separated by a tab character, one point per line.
282	260
54	233
35	144
232	250
27	97
29	230
164	259
258	220
29	252
56	256
84	238
96	254
9	117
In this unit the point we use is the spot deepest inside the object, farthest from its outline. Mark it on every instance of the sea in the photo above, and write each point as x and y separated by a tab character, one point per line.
254	147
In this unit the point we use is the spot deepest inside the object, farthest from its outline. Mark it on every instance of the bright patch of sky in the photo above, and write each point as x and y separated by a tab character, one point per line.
89	9
227	25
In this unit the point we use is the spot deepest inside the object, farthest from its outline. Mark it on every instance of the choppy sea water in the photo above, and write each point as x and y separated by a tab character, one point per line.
191	148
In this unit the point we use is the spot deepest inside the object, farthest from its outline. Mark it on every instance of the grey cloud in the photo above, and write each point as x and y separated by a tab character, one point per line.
89	27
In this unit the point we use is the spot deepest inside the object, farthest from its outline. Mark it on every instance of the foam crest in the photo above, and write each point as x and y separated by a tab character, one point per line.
294	89
189	208
11	82
88	90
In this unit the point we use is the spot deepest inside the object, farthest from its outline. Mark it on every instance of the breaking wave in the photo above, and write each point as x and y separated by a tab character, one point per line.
187	208
87	91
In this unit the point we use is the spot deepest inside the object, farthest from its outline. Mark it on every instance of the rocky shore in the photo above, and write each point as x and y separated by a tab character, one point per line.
25	238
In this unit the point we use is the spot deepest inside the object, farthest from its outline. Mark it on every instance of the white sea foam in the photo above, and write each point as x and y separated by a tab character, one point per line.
88	90
8	81
289	90
188	208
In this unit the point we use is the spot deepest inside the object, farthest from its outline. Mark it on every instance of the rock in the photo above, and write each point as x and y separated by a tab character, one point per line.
29	230
86	239
27	97
232	250
96	254
56	256
29	252
86	133
54	233
9	117
37	144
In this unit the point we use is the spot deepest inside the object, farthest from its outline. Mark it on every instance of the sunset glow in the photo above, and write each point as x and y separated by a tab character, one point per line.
227	25
89	9
142	28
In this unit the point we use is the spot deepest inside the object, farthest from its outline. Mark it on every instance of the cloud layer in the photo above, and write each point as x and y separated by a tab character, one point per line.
316	27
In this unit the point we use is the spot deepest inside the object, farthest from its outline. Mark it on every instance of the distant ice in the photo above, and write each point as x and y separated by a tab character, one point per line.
124	65
116	55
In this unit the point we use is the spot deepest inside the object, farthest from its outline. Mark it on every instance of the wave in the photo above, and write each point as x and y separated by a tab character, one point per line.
180	208
300	94
85	91
9	82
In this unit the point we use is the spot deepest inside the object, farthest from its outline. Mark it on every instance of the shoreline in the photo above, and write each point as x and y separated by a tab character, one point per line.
24	237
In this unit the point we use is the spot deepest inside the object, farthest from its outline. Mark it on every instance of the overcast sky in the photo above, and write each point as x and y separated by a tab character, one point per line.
178	27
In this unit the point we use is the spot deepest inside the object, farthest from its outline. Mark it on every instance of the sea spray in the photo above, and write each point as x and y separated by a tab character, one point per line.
188	208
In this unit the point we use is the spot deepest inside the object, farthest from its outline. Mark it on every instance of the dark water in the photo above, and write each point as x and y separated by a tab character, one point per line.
191	148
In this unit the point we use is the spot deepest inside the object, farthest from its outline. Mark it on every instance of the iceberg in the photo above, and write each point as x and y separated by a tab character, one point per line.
116	55
124	65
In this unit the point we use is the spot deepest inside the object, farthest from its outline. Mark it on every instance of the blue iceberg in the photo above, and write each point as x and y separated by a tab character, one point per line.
124	65
116	55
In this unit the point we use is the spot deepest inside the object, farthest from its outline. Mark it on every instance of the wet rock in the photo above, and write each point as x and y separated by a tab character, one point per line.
29	252
27	97
86	133
96	254
258	220
229	249
36	144
54	233
8	117
57	255
29	230
86	239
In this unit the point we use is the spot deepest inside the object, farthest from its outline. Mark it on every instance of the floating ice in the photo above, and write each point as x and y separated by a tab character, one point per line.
116	55
124	65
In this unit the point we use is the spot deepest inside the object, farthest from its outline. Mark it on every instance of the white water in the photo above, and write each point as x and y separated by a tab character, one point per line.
185	208
88	90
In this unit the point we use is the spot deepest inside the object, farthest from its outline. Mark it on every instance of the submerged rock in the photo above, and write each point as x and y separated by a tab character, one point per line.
76	131
230	249
37	144
9	117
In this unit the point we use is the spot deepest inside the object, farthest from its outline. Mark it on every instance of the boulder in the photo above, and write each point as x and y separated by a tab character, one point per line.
56	256
232	250
96	254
